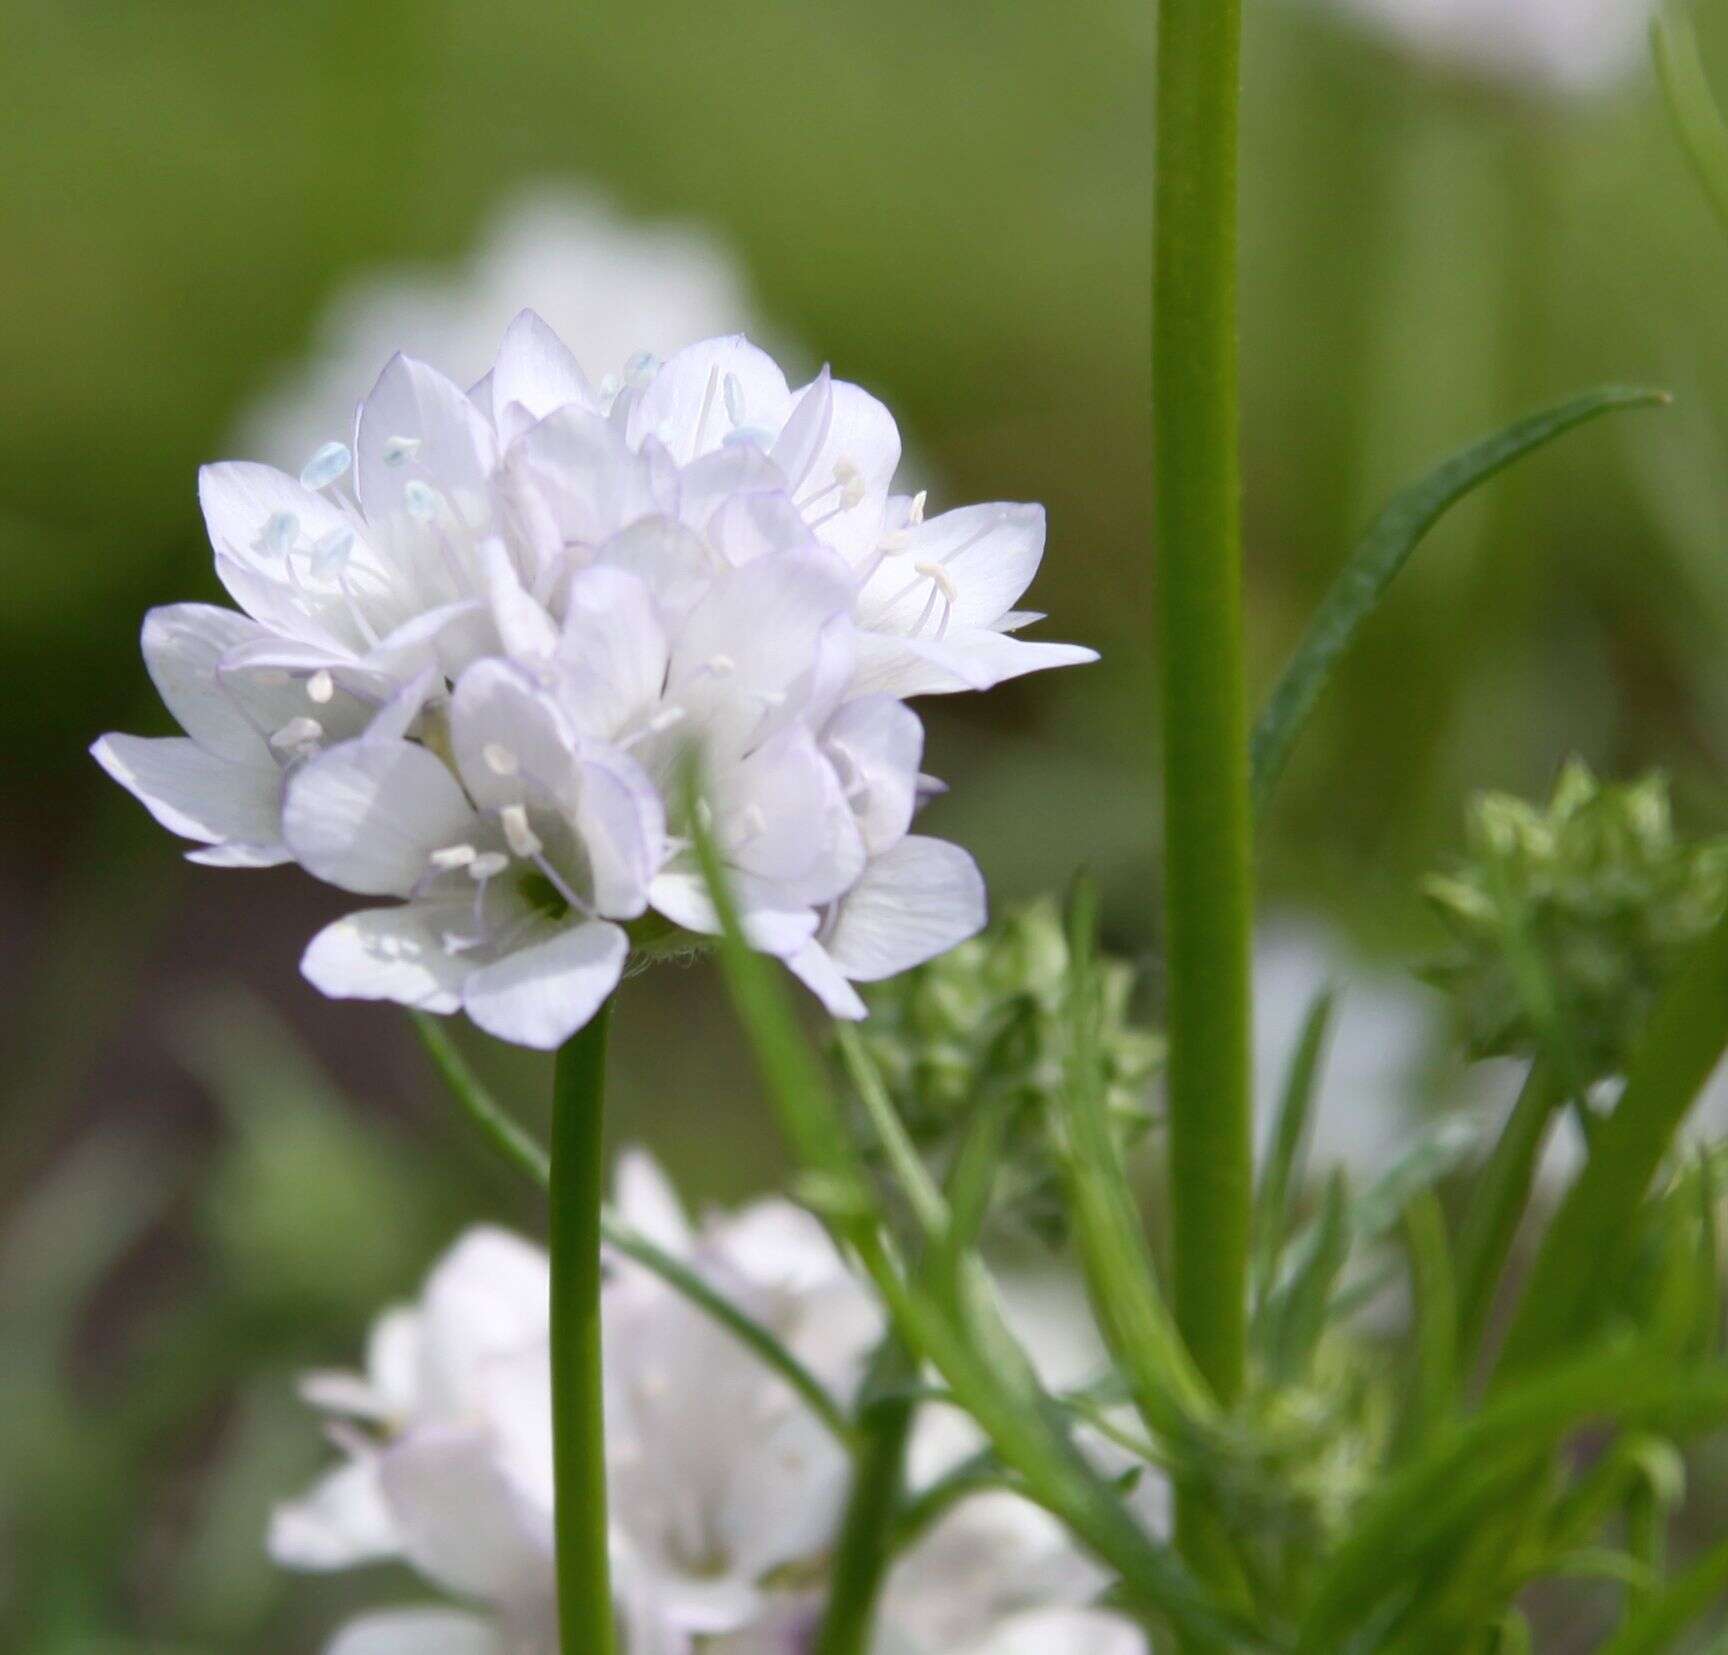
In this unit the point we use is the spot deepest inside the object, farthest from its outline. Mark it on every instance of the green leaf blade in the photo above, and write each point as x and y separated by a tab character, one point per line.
1381	555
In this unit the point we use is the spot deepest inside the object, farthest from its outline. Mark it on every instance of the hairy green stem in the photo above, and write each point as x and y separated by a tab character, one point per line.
1207	898
578	1410
867	1531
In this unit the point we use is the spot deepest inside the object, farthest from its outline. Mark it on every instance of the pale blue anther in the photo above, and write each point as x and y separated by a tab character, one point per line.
330	462
279	534
330	551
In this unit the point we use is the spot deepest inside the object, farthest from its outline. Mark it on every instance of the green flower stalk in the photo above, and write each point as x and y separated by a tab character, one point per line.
1207	896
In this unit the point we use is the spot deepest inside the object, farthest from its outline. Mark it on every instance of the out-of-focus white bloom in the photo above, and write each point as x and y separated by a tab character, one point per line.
1381	1028
1565	45
719	1474
446	1445
608	285
474	681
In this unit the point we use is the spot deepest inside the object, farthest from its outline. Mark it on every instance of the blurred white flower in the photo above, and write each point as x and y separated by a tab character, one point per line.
471	679
446	1457
1564	45
720	1475
607	284
722	1482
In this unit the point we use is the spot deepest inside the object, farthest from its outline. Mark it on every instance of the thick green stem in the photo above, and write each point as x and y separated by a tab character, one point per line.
578	1411
867	1531
1207	898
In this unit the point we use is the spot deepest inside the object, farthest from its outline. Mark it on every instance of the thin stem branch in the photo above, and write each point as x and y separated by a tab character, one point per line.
518	1147
1207	898
865	1547
513	1143
578	1410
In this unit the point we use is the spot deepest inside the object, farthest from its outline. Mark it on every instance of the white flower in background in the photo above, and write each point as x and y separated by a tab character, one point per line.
1566	45
471	677
608	285
446	1441
720	1475
722	1482
1382	1027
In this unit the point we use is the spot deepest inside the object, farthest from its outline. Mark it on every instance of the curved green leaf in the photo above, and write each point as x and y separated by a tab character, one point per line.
1383	552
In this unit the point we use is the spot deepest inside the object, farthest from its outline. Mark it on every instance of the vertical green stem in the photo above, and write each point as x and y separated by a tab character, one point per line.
578	1411
865	1547
1207	894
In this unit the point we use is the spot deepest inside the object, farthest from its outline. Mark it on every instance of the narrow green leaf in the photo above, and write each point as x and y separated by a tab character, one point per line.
916	1184
1434	1291
1497	1203
1281	1178
1655	1628
1298	1312
1697	119
1470	1468
1680	1047
1382	553
1165	1384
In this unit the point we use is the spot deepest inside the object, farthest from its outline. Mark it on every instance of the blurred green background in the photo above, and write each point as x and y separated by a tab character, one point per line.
948	200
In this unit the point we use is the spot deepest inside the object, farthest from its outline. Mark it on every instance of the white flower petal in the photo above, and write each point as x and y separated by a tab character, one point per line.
367	815
512	742
586	479
341	1521
613	634
541	995
645	1199
814	967
194	793
241	856
856	462
877	744
536	374
452	448
486	1299
392	954
689	408
914	902
416	1632
461	1522
805	432
622	824
1063	1632
889	664
988	555
769	924
183	643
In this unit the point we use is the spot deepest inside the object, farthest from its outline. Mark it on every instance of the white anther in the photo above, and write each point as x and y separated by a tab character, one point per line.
453	856
321	687
895	542
488	864
754	822
279	533
915	515
722	666
641	369
297	733
499	759
400	450
734	399
330	551
422	501
521	838
851	481
330	462
942	579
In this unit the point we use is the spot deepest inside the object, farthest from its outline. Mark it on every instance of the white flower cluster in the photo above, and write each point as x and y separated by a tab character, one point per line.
1560	45
479	648
725	1489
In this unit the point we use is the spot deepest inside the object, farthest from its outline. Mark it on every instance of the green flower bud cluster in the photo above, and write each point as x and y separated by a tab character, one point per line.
986	1025
1566	920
